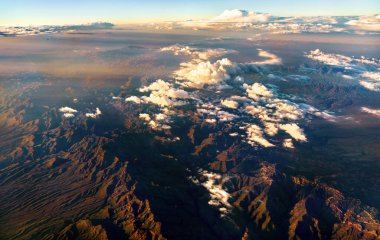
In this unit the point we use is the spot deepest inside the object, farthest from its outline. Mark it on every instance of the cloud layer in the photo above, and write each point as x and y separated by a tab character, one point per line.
264	23
365	70
259	114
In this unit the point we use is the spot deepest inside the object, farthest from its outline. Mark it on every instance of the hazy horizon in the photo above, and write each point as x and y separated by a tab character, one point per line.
21	12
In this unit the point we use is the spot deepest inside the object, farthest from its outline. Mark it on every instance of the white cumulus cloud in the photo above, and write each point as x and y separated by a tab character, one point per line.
371	22
237	15
230	103
94	115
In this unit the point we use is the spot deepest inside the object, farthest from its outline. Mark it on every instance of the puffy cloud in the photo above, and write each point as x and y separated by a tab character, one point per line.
271	129
203	54
370	86
275	112
330	59
371	75
230	103
162	93
288	143
219	196
159	123
158	85
375	112
294	131
236	15
198	74
260	112
67	110
68	115
255	136
94	115
200	71
145	117
258	91
133	99
371	23
161	117
160	88
286	110
210	120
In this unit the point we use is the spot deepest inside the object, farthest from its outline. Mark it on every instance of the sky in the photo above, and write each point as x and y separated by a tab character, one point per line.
38	12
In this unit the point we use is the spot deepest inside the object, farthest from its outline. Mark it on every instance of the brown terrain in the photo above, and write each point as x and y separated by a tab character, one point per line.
77	179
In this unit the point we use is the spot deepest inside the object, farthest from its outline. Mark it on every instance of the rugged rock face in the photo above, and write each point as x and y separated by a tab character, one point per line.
280	205
59	181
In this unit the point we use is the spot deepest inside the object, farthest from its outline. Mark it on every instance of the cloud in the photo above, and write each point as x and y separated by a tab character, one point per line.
68	115
145	117
261	24
224	116
271	129
258	91
210	120
255	135
330	59
271	59
49	29
219	196
67	110
162	88
94	115
361	64
200	71
161	100
133	99
236	15
294	131
370	86
275	112
286	110
162	93
161	117
260	111
203	54
372	111
159	123
198	74
230	103
288	143
371	23
365	70
371	75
